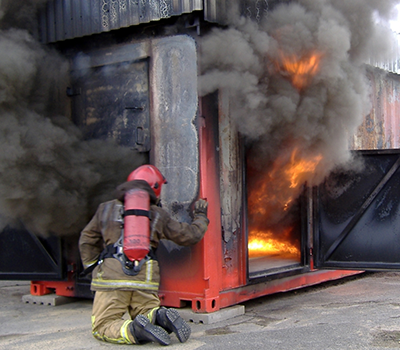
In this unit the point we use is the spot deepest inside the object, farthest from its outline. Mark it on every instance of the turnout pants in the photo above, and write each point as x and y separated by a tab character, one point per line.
109	308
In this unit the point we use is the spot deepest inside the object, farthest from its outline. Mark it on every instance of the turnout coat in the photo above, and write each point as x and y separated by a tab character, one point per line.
105	228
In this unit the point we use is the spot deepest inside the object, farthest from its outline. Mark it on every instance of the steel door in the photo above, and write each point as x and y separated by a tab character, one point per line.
356	219
24	256
112	101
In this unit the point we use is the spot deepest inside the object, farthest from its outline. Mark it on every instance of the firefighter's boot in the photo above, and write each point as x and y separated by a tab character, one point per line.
144	331
171	321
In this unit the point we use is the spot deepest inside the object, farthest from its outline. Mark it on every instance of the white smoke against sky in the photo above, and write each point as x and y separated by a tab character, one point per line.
273	115
395	21
51	180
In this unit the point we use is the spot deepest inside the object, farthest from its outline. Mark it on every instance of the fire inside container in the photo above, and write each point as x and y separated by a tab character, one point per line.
274	185
273	208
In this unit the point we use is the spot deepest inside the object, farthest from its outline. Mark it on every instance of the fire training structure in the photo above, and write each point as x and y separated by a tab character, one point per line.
194	143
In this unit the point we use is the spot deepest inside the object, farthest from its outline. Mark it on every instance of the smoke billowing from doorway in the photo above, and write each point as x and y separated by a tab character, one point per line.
51	180
297	81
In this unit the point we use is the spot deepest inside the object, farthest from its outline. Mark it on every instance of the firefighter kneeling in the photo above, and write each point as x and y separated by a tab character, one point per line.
118	247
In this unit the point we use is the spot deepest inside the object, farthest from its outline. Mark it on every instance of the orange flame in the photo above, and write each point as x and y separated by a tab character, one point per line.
297	169
299	70
280	188
268	246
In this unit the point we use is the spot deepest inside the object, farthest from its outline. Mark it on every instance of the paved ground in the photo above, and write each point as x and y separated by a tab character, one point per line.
356	313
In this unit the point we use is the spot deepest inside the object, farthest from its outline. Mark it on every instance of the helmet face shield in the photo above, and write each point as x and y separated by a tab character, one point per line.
151	175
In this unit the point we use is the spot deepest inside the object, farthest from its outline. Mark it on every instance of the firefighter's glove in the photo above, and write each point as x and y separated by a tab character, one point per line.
200	207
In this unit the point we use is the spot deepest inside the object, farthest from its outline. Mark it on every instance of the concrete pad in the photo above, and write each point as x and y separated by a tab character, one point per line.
47	299
362	312
209	318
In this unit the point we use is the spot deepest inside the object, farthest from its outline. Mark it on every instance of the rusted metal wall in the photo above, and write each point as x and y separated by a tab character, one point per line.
381	126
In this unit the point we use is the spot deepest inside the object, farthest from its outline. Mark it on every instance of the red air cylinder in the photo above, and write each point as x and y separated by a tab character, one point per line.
136	224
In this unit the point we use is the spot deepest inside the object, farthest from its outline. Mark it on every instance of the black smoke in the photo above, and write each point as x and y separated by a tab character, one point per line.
269	111
51	180
279	121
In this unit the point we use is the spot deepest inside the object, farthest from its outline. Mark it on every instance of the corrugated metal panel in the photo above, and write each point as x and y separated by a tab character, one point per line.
218	10
381	126
67	19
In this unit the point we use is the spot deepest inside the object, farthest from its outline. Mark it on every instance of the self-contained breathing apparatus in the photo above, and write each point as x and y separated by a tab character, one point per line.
133	248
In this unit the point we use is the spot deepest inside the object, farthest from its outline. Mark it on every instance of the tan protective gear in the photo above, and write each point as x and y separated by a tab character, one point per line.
117	292
105	226
109	307
105	229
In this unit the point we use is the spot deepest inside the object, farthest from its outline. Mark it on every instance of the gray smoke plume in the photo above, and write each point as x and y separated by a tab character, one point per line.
316	119
51	180
20	14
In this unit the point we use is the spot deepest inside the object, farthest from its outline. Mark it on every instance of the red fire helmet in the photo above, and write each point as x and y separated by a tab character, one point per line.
151	175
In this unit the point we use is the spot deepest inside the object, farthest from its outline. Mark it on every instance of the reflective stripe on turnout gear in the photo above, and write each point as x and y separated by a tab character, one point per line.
112	284
125	331
152	315
148	284
124	339
105	227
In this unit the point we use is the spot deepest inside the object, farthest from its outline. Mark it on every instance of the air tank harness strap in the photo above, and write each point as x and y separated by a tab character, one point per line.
112	251
108	252
137	212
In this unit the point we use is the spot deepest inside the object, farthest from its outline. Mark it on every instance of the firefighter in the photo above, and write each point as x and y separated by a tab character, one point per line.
122	286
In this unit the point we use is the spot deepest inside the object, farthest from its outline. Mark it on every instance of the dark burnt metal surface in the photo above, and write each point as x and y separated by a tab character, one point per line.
24	256
67	19
111	95
110	98
218	10
357	218
231	169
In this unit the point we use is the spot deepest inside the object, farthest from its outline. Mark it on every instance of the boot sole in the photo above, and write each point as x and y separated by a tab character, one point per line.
178	325
156	333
